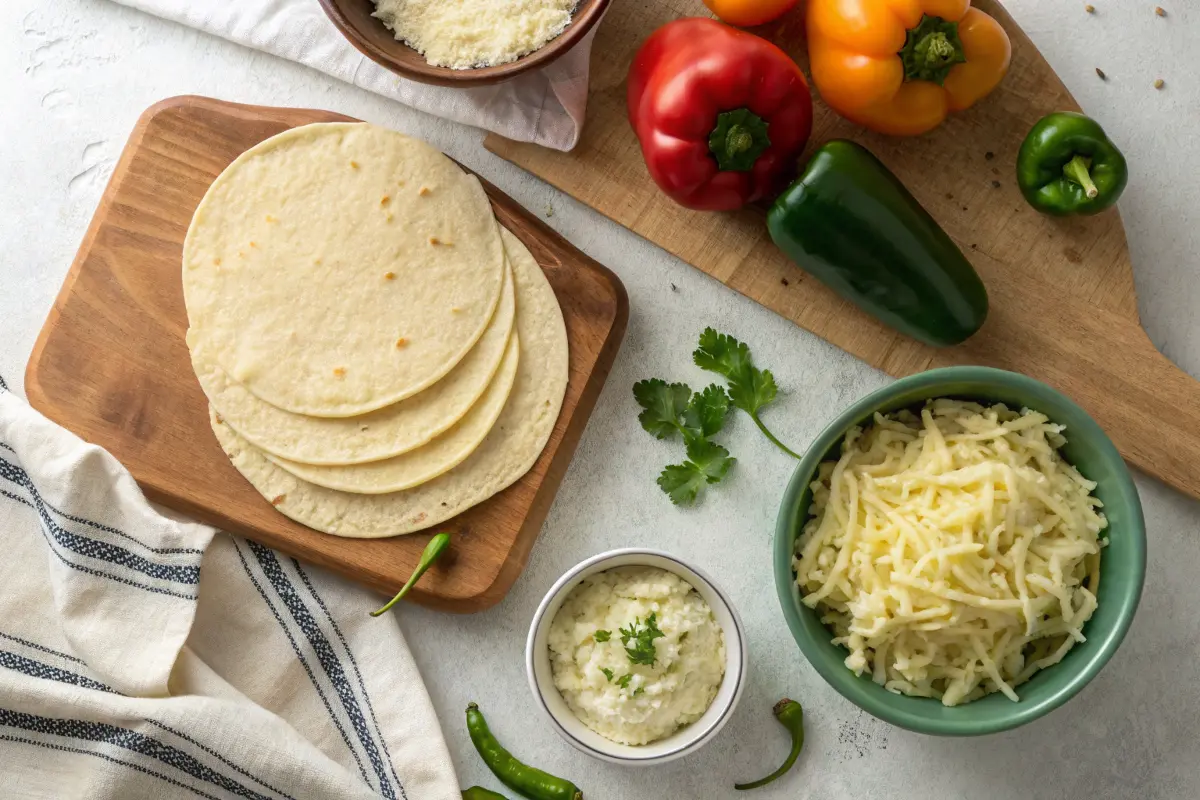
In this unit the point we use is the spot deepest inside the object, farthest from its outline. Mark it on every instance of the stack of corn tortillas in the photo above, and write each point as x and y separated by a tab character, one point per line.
378	353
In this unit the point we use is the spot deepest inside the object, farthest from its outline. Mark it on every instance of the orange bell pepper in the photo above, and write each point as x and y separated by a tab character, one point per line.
901	66
748	13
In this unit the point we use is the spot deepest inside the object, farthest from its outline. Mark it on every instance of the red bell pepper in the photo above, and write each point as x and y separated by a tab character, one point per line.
722	114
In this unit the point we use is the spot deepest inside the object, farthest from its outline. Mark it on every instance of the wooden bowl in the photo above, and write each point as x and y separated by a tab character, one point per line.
372	38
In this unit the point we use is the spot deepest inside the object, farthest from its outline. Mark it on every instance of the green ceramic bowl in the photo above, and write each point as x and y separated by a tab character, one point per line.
1122	566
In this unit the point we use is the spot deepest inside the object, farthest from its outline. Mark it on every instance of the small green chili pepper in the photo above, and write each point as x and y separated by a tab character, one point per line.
523	779
790	716
1067	165
433	551
480	793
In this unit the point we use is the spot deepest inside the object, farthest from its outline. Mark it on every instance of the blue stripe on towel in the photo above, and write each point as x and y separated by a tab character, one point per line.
131	740
46	650
88	570
357	674
108	529
107	757
303	661
220	758
38	669
326	657
94	548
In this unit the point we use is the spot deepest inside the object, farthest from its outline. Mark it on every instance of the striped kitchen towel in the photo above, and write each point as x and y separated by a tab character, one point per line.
147	657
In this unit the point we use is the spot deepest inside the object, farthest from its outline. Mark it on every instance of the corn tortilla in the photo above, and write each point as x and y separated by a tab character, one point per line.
338	268
391	431
508	452
425	463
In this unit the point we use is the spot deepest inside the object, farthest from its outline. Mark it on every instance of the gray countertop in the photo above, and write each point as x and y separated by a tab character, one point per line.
75	74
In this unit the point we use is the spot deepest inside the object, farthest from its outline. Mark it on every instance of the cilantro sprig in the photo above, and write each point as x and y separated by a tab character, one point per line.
670	409
642	636
750	388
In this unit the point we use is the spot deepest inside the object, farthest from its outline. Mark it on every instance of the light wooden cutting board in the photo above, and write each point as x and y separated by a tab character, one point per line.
1063	307
111	363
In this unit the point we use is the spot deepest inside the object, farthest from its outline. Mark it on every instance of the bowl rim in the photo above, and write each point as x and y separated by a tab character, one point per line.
424	72
568	580
840	677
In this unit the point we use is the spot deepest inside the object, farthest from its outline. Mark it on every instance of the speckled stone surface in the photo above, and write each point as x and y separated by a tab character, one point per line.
75	74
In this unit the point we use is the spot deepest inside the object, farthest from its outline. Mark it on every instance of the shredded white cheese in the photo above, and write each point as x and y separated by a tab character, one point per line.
949	552
462	34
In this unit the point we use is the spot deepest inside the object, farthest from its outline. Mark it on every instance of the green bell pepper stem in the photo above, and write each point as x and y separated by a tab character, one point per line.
1068	165
433	551
850	222
1077	170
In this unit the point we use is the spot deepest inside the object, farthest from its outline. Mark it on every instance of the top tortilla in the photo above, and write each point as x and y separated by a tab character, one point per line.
381	434
508	452
338	268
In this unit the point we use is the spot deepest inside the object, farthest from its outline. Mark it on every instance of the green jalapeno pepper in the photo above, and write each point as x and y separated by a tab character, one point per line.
433	551
1068	165
791	717
525	780
850	222
480	793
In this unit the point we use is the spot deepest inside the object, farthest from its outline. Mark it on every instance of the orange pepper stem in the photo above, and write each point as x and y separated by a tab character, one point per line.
931	50
1078	169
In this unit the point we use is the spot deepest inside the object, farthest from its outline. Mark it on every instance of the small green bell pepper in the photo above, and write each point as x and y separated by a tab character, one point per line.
850	222
1067	165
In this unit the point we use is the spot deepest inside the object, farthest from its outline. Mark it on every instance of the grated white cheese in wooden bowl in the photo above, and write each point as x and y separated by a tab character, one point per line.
955	553
464	34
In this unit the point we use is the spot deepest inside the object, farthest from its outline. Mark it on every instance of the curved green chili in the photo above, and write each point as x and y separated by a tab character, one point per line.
480	793
523	779
790	716
433	551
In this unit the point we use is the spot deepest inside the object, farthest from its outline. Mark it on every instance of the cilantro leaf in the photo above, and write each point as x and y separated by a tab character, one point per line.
638	690
624	680
662	405
707	463
641	651
749	387
602	636
608	673
706	411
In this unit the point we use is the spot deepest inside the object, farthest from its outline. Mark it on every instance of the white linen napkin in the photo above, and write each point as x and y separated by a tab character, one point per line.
545	107
146	657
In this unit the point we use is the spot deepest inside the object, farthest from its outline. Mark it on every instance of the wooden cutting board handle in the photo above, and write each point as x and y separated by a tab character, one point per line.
1156	417
1104	361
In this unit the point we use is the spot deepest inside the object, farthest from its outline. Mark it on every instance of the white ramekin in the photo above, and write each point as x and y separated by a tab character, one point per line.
685	740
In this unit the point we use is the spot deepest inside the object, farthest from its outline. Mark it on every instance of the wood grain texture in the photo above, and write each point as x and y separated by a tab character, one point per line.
1063	307
111	363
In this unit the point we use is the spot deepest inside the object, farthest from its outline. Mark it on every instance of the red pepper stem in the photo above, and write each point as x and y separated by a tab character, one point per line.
1078	169
738	140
